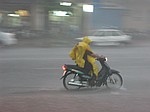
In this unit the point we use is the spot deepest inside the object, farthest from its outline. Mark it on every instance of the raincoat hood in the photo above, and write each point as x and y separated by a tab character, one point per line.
86	40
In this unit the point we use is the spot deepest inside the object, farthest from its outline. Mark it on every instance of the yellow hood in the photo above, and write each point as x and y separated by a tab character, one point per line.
86	40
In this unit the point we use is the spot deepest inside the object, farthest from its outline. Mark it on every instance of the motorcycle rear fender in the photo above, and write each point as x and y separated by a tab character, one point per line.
62	77
64	74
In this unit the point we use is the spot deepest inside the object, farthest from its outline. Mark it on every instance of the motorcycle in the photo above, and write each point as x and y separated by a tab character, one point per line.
74	77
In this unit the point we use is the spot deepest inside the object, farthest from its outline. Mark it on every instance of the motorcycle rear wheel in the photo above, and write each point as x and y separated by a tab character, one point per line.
115	81
71	78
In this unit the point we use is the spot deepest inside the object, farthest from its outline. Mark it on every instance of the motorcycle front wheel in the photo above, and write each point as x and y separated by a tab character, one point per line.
72	81
115	81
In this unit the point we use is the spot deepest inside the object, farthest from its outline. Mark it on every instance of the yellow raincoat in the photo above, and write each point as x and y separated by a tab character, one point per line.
78	51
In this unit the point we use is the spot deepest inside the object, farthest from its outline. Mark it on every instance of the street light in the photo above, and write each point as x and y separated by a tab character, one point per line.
65	3
88	8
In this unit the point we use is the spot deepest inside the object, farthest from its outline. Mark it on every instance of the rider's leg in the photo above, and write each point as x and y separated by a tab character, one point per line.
87	67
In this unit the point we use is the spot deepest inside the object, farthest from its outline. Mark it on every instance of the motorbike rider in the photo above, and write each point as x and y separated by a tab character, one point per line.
84	57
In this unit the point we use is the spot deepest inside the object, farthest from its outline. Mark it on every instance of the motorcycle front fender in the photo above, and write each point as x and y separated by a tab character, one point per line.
114	71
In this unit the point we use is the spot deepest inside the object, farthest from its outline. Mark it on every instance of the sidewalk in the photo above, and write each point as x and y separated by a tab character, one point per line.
141	42
44	42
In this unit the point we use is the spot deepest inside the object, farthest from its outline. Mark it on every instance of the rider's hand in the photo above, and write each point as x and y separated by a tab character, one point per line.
97	56
102	56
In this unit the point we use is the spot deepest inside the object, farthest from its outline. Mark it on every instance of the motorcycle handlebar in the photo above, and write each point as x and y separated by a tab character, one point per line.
101	58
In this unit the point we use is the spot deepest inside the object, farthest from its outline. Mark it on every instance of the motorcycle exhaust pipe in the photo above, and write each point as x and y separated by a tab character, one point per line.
78	84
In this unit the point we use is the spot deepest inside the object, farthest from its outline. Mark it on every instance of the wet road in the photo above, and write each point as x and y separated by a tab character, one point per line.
29	81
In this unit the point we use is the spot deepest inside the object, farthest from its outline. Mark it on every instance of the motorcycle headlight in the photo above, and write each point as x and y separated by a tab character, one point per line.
106	58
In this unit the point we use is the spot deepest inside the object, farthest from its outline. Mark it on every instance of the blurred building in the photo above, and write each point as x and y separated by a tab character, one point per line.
74	15
137	16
